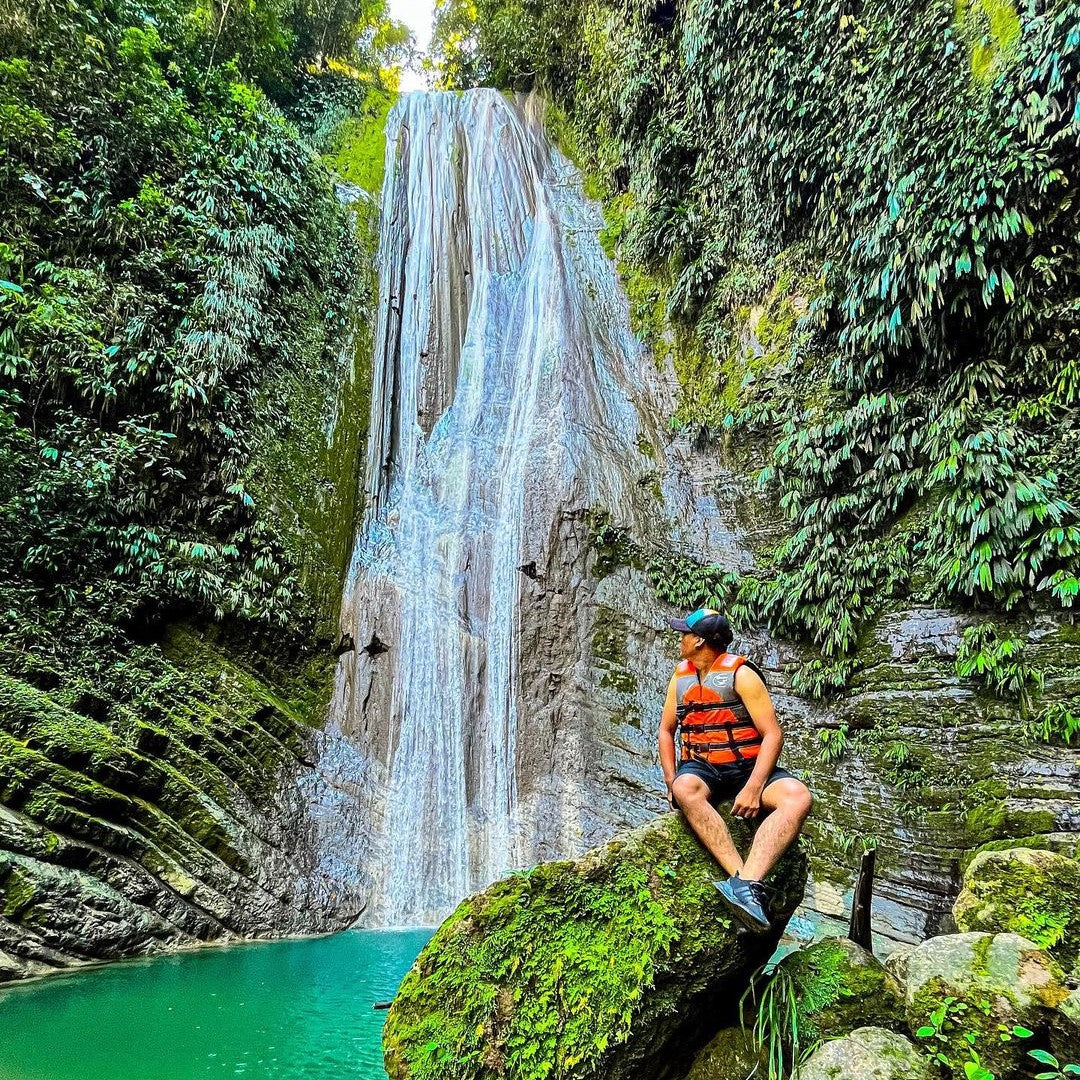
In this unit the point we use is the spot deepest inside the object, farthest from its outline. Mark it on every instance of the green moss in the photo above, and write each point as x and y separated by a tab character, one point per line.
612	545
359	146
621	681
996	821
992	30
160	784
549	970
17	893
839	987
1030	893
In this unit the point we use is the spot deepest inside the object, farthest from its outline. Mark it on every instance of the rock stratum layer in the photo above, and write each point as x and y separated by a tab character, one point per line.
157	831
619	965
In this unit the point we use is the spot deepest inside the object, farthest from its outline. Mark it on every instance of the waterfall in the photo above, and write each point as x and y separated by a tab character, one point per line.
502	407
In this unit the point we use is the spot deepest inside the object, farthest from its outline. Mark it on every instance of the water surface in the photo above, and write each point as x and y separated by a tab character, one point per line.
285	1010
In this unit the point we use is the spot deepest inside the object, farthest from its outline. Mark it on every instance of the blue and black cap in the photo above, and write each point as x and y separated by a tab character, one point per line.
706	623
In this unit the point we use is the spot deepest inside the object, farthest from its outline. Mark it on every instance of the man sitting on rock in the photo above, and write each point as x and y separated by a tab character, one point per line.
729	745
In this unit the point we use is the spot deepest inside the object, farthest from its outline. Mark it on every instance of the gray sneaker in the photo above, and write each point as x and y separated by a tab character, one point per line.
747	900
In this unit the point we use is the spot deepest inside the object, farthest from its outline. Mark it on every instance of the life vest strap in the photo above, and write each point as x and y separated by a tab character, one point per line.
719	727
705	747
688	707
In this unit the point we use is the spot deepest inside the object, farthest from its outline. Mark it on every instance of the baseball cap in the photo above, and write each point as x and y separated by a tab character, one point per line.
706	622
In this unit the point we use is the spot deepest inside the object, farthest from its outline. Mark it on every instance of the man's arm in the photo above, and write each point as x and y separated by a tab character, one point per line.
667	740
759	705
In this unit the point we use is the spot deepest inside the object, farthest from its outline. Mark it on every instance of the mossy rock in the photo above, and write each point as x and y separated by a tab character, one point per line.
618	965
841	986
1065	1030
989	983
1035	894
731	1055
868	1053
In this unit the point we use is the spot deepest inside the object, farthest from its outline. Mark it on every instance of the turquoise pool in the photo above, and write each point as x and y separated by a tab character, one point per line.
285	1010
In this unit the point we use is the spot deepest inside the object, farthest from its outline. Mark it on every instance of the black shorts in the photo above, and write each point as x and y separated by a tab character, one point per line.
726	781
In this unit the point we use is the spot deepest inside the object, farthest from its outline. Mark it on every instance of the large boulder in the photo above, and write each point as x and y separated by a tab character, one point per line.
1027	892
975	988
841	986
620	964
868	1053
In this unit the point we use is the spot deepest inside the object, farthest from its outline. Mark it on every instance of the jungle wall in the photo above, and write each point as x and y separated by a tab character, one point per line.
185	320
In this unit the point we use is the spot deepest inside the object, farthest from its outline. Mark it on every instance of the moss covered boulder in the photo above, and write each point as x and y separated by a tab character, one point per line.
730	1055
974	988
841	986
868	1053
1035	894
621	964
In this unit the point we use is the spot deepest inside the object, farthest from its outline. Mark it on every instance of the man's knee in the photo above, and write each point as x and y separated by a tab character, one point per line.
801	802
689	790
793	797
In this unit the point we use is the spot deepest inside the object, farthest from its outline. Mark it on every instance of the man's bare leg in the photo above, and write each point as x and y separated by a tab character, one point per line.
691	795
787	803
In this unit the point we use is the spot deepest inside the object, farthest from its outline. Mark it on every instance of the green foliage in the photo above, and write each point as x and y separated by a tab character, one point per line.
687	584
1057	724
819	992
777	1026
904	170
997	661
178	289
949	1026
172	250
832	744
818	678
1056	1070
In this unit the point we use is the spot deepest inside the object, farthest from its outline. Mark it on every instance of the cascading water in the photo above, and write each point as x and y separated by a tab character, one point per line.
503	407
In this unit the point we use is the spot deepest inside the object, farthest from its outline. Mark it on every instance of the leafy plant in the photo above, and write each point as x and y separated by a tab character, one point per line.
945	1028
776	1029
997	661
832	744
1055	1071
1057	723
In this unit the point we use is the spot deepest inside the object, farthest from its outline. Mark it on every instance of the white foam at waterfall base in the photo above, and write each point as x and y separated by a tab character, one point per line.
500	401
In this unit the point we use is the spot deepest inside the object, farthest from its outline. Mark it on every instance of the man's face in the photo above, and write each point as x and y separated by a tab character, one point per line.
688	645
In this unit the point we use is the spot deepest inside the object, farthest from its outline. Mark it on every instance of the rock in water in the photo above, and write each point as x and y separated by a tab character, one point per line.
868	1053
1027	892
619	965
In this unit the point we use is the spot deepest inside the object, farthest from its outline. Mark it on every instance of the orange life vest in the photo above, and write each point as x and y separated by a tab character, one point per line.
714	724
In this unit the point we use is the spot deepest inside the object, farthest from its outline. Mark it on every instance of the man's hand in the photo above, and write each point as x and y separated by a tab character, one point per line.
670	795
747	803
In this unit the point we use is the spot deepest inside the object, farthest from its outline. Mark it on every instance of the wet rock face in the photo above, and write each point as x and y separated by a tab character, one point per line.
544	738
930	767
617	965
